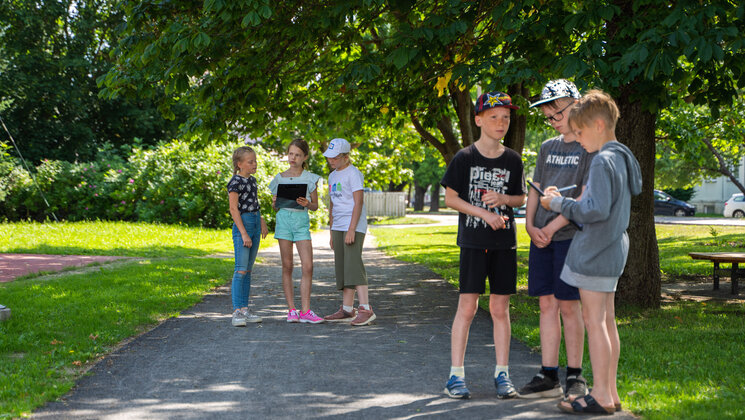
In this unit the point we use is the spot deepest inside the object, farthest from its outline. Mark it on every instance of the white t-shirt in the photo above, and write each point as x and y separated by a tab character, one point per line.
305	177
342	184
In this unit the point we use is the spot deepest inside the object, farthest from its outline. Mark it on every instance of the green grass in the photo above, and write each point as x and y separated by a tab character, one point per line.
401	221
61	324
115	238
676	241
683	360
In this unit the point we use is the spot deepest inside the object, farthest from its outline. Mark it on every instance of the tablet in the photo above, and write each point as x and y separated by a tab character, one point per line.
287	194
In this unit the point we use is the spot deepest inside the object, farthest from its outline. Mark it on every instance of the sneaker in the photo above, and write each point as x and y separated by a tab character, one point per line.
293	316
505	388
541	386
239	320
341	315
364	317
310	317
576	387
456	388
250	316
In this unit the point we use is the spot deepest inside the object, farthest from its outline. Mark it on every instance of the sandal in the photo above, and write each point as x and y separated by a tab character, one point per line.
591	406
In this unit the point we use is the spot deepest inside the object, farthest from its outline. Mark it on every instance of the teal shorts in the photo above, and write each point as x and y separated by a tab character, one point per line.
292	225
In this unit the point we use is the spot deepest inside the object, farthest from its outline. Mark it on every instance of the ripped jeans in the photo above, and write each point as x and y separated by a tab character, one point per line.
244	258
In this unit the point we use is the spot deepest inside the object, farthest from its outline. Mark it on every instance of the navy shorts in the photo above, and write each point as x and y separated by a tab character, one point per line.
499	265
544	271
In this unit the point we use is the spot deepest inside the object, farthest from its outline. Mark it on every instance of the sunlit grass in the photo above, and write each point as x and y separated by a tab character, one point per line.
683	360
60	324
115	238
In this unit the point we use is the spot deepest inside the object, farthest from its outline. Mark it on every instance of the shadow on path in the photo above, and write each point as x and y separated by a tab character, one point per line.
198	366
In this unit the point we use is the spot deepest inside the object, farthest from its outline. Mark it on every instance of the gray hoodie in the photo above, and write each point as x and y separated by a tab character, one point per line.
601	247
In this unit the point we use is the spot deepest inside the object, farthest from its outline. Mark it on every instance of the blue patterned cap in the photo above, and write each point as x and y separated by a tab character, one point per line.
493	100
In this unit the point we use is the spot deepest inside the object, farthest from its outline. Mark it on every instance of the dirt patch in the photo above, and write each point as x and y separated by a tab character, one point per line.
701	289
16	265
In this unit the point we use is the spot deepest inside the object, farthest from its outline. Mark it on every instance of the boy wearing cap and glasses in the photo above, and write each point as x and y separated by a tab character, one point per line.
484	181
562	162
348	221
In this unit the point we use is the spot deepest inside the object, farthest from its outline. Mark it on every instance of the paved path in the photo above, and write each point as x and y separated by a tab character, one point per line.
197	366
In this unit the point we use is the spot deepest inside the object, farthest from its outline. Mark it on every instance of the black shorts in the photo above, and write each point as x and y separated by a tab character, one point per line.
499	265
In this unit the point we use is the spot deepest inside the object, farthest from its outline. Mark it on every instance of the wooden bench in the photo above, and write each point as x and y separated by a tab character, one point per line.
717	258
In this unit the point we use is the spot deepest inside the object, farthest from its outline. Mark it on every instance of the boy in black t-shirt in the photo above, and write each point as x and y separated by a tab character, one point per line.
484	182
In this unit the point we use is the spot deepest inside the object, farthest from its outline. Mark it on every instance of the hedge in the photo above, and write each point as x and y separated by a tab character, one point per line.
171	183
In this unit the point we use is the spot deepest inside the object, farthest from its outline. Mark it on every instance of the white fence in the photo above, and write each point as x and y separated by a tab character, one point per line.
387	204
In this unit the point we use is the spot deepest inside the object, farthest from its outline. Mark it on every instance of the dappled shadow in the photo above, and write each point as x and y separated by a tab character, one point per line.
199	366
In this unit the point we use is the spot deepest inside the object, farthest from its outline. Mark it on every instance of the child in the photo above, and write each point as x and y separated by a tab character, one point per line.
561	161
484	182
293	226
348	221
598	252
247	225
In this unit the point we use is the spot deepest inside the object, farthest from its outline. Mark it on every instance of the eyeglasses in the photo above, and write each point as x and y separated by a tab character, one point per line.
559	115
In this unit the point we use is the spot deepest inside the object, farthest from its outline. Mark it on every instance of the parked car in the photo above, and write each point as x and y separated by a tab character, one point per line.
520	211
666	205
735	206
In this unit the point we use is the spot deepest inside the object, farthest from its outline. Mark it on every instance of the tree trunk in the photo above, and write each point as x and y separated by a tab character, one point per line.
434	204
469	131
640	283
515	137
419	192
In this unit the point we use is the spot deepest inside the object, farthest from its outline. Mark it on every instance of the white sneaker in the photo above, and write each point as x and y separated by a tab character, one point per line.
239	319
250	316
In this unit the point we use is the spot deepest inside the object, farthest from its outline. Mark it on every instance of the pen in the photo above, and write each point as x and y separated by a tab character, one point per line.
569	187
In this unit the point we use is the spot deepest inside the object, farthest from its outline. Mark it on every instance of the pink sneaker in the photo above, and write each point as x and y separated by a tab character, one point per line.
293	316
310	317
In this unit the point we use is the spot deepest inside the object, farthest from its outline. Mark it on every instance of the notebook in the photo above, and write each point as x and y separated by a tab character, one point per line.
288	193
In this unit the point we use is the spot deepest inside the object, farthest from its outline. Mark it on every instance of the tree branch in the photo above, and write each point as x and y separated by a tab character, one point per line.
723	169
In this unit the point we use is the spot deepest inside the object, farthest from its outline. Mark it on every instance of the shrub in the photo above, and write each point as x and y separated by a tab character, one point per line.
169	184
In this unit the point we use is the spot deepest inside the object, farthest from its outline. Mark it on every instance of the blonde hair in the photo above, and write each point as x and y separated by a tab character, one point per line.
239	155
593	105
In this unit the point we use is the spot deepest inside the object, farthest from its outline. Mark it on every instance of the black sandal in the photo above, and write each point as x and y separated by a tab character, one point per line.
591	407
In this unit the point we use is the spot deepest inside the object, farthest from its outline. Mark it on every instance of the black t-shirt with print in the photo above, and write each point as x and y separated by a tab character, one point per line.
248	198
471	174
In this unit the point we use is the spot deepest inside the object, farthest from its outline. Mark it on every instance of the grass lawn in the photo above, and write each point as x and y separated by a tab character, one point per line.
683	360
115	238
62	324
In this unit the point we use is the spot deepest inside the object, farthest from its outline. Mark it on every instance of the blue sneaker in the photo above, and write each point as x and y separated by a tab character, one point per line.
505	388
456	388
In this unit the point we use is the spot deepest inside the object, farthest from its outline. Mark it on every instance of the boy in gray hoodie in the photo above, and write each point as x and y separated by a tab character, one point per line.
597	255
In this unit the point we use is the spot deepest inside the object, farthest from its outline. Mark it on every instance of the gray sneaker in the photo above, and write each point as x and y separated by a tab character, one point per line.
576	387
540	386
505	388
239	318
250	316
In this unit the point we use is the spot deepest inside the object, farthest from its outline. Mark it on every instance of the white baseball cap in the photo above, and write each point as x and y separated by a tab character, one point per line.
336	147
